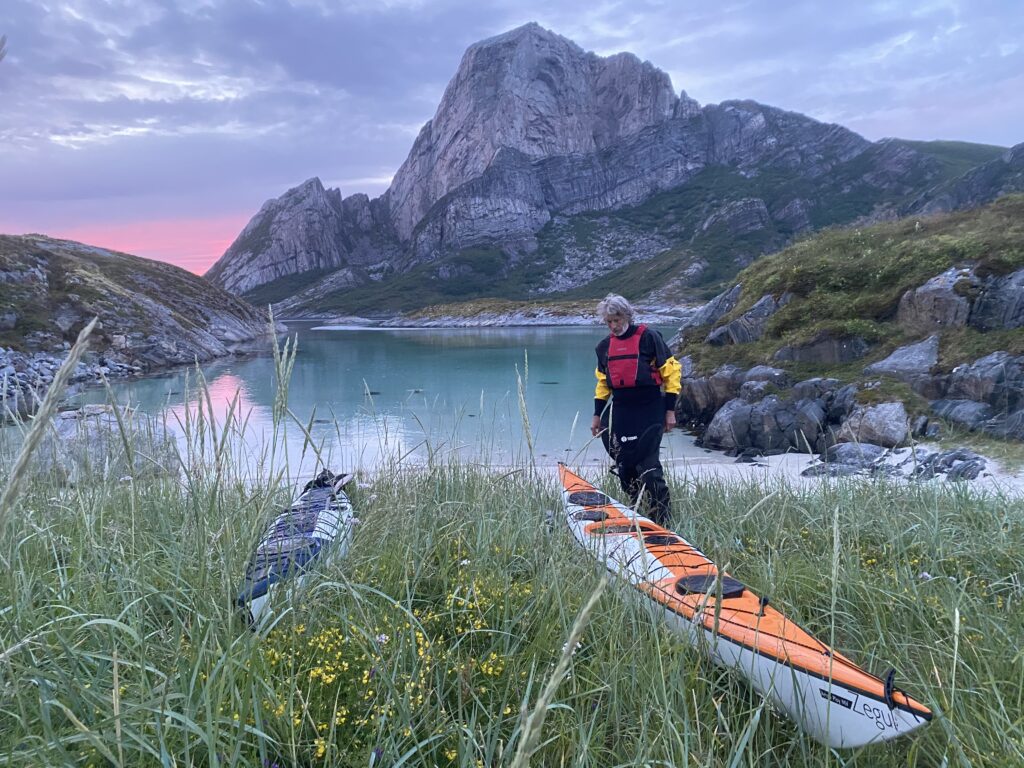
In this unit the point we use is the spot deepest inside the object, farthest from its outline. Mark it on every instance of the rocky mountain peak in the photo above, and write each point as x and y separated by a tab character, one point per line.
531	91
297	232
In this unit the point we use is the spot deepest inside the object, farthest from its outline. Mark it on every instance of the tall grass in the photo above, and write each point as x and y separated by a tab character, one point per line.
436	641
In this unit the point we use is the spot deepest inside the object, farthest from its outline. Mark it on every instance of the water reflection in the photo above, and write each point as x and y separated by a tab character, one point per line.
366	397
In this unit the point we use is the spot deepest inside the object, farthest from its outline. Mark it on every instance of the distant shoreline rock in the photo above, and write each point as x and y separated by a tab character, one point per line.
486	319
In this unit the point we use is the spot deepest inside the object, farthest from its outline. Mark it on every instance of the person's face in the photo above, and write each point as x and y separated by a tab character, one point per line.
617	324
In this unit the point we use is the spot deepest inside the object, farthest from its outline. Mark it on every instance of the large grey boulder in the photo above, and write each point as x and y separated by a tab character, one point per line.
885	424
996	379
942	302
967	413
770	426
1009	426
908	362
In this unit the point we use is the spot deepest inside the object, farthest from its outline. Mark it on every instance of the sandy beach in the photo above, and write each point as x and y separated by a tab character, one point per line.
687	462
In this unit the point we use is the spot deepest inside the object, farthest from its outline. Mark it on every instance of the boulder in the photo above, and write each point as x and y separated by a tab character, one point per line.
911	361
885	424
942	302
1006	426
967	413
861	455
996	379
771	426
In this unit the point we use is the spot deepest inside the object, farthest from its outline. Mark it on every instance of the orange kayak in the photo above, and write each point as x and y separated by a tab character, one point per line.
827	695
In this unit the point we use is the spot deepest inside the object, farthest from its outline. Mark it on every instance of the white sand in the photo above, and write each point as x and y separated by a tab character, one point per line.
686	462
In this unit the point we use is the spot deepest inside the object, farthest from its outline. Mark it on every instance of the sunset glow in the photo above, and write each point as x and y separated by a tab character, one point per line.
192	244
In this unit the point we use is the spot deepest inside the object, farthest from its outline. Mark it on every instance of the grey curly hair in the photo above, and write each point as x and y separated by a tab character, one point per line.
614	305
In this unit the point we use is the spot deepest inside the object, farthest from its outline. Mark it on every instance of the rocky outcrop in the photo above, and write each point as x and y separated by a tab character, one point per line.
996	379
151	314
750	325
707	314
958	297
976	187
910	362
753	412
739	217
309	229
916	463
826	349
940	303
769	426
999	303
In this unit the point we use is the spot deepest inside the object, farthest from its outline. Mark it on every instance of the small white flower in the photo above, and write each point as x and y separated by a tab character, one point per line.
381	639
463	563
576	648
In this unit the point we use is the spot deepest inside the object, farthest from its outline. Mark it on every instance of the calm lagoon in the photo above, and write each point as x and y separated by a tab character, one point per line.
371	396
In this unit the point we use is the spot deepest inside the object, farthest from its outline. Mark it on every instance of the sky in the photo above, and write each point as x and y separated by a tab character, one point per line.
159	127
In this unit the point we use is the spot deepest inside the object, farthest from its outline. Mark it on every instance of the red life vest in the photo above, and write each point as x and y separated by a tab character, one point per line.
624	368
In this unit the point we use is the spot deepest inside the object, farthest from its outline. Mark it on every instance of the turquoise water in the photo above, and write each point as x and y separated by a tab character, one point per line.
375	395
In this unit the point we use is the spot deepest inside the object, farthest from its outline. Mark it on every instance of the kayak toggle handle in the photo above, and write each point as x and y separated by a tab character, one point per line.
889	688
763	603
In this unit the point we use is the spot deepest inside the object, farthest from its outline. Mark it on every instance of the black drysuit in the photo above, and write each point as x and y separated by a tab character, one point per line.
632	411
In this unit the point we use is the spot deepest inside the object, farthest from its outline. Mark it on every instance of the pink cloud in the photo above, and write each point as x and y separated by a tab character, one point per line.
190	243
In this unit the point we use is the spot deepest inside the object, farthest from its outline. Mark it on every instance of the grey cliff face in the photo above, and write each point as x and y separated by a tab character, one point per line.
308	229
531	91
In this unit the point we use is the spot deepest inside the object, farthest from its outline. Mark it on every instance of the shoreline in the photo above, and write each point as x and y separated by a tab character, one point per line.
518	319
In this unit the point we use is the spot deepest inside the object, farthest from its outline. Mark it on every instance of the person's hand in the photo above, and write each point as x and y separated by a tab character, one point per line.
670	420
595	426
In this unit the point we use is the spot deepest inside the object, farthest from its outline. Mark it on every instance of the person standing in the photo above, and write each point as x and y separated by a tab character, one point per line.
638	380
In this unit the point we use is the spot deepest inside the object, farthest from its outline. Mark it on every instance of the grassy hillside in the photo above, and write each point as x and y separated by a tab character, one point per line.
957	156
46	279
848	282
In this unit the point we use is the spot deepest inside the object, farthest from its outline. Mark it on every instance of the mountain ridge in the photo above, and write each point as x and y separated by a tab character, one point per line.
533	142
